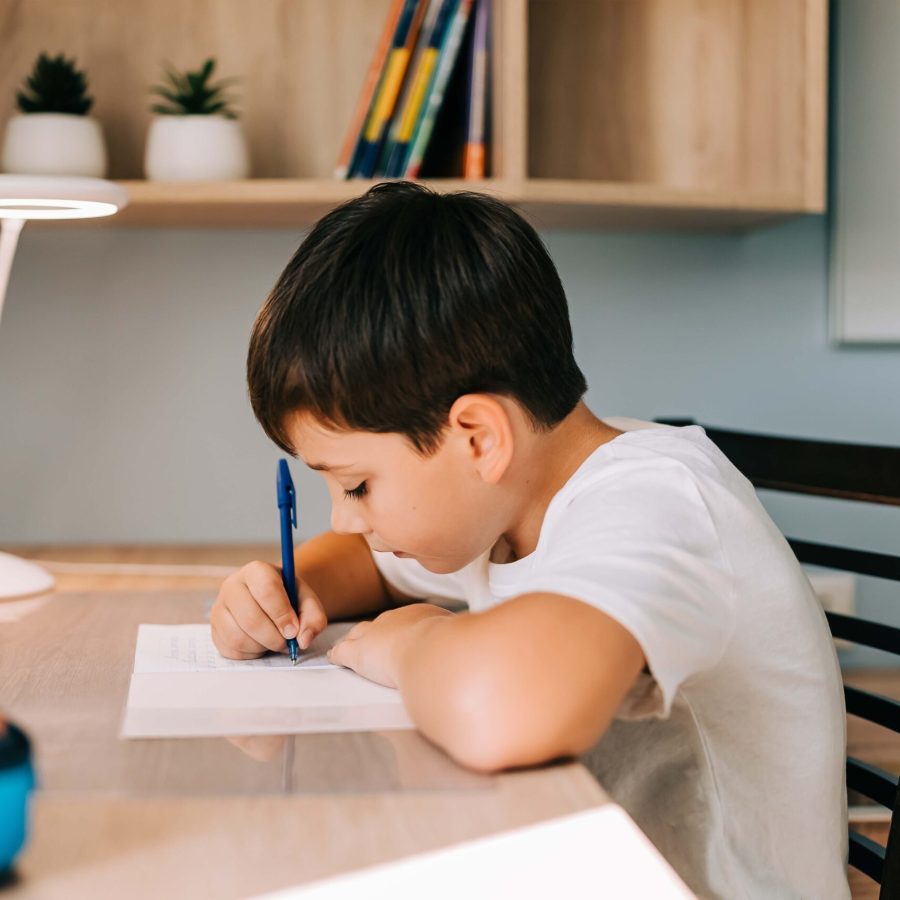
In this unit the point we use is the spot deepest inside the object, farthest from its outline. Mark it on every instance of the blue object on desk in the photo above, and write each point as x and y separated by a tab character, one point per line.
16	782
287	509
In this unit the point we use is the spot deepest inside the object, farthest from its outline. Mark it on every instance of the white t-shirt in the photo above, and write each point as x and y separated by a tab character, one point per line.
730	754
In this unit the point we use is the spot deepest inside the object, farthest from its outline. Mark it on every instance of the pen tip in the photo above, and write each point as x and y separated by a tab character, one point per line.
294	661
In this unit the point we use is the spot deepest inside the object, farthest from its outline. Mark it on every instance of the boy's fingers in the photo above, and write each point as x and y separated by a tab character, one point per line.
312	616
358	630
267	589
255	623
232	642
343	653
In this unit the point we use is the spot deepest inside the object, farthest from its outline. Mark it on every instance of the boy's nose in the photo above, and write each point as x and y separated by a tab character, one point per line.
347	521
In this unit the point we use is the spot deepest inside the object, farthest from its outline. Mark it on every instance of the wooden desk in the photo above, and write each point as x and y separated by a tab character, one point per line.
207	817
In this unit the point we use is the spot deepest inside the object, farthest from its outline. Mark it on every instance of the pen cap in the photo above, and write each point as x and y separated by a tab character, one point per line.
287	496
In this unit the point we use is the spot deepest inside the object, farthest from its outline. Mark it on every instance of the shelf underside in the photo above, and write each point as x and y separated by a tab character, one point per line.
547	203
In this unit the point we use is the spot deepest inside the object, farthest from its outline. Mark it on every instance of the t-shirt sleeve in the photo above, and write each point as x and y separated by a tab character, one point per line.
413	579
643	548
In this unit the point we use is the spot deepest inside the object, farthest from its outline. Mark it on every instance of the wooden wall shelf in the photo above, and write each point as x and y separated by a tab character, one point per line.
548	204
606	113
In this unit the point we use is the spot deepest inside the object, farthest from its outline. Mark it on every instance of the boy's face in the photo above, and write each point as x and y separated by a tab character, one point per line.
437	509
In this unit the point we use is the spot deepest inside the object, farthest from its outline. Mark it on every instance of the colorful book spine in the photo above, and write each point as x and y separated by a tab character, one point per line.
420	82
364	103
366	156
474	150
449	54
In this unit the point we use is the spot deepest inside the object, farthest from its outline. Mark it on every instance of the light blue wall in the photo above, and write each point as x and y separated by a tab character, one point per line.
121	365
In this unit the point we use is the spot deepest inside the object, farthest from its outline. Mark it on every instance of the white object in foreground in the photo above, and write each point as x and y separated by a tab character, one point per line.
598	853
182	687
21	579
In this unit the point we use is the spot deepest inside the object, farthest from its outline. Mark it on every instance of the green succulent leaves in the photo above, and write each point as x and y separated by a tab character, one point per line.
190	94
55	86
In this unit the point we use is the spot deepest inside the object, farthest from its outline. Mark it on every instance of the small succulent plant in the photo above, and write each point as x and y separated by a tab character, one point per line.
55	85
191	94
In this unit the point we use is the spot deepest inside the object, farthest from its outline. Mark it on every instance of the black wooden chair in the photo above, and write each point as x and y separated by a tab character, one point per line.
852	472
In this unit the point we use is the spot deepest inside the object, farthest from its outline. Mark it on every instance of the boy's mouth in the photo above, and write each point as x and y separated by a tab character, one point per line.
385	550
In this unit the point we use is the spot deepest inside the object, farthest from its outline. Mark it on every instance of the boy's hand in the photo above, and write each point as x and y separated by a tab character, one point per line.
372	649
252	613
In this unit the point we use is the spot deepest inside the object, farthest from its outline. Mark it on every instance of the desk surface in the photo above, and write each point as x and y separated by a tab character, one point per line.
222	817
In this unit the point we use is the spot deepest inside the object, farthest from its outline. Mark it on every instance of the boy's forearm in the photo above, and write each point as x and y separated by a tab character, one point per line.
534	678
434	666
340	569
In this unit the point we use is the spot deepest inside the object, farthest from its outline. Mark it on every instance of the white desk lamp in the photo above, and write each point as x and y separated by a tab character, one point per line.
43	197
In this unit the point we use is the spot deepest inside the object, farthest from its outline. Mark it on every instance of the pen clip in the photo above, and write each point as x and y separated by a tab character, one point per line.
287	496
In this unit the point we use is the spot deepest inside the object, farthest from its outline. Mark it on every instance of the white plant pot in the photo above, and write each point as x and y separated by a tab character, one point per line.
195	148
54	144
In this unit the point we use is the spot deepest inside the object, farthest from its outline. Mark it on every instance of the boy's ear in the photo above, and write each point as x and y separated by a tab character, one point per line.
484	424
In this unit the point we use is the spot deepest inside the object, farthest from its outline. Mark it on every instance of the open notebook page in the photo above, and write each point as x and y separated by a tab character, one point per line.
189	648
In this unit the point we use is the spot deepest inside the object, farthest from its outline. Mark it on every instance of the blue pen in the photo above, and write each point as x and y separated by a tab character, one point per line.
287	509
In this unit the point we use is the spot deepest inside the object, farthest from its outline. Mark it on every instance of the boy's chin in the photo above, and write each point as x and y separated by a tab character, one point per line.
438	566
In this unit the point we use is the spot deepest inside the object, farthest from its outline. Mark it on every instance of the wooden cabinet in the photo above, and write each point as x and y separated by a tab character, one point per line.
606	113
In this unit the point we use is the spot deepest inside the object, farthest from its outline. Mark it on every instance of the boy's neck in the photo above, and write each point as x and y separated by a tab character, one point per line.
549	462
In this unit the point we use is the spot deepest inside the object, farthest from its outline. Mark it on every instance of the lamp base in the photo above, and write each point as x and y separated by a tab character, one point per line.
20	578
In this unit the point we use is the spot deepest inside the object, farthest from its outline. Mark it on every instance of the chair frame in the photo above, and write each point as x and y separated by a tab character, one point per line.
847	471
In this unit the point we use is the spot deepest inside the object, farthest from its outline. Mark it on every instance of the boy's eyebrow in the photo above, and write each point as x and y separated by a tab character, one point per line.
321	467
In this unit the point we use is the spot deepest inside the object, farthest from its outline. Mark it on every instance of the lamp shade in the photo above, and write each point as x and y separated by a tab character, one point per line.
59	197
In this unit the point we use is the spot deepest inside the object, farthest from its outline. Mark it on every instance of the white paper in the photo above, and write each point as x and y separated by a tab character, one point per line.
598	853
189	648
182	687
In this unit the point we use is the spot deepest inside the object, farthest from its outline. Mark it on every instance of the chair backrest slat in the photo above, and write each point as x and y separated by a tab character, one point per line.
873	707
866	855
802	466
863	562
862	631
871	781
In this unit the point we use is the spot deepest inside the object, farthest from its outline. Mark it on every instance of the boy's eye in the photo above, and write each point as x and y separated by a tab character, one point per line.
359	491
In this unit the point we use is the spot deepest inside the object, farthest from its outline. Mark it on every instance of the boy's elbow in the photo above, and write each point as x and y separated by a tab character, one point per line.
483	748
493	732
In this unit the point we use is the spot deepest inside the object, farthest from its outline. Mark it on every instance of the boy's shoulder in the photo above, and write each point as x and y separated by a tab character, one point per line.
655	483
651	457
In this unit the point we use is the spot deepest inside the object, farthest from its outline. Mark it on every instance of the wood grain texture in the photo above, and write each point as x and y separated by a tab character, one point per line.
723	95
546	203
219	817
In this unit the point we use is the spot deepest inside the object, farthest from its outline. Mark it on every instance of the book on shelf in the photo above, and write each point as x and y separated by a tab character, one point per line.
445	66
428	83
417	87
365	157
477	95
368	90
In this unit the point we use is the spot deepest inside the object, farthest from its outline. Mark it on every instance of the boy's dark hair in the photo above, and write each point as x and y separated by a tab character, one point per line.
402	300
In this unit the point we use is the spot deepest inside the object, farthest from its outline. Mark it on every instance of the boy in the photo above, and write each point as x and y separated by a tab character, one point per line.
623	581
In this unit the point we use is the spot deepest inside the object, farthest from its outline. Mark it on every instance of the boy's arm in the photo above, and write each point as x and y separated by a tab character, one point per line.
340	569
535	678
